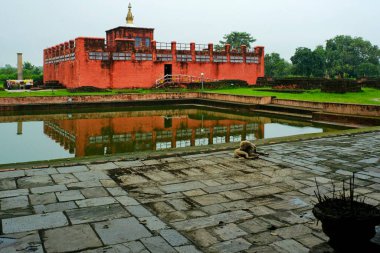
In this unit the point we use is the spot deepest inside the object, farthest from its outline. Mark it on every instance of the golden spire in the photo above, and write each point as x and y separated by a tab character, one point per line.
130	17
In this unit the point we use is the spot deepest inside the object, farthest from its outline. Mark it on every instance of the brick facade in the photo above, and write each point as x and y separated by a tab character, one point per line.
131	58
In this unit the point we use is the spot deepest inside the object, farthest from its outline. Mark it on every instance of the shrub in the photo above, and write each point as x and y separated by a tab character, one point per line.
341	86
87	89
218	84
310	83
373	82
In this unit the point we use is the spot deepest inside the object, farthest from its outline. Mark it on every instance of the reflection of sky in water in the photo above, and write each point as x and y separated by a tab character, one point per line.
183	144
273	130
163	145
201	142
32	145
250	137
219	140
235	138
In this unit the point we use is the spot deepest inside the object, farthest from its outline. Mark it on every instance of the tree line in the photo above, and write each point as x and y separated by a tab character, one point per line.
341	57
30	71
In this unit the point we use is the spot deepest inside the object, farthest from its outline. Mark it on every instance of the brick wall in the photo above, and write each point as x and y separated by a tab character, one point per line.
83	71
236	98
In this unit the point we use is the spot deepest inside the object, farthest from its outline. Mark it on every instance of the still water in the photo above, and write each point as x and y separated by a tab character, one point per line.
26	138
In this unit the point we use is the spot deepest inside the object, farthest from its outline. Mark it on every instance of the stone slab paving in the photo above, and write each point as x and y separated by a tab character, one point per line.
21	242
34	222
208	202
121	230
70	238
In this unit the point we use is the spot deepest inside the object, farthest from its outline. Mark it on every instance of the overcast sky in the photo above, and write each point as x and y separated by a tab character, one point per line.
29	26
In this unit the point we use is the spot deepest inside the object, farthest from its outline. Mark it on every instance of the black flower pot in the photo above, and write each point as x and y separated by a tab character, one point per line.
348	224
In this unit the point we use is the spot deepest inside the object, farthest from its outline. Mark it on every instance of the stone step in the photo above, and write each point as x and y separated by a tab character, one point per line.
298	115
287	109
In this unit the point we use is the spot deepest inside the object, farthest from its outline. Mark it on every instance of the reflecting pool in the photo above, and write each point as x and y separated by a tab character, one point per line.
26	138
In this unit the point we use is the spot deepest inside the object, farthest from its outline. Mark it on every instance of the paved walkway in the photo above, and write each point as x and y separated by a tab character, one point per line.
197	203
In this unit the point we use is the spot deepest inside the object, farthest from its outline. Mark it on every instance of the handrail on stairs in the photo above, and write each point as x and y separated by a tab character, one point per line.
181	79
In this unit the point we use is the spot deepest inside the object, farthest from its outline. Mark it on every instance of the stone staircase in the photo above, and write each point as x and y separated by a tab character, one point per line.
291	111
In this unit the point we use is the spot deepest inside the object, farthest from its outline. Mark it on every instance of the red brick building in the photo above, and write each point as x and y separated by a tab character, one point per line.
129	57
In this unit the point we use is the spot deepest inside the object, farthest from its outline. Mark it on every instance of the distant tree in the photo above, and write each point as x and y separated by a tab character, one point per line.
7	69
27	66
303	61
31	71
368	70
309	63
236	39
275	66
319	62
344	55
7	72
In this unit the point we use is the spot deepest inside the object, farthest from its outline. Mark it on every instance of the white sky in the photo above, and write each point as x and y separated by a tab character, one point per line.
280	25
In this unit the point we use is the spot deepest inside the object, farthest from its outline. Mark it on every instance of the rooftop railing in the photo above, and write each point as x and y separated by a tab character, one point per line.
164	45
183	46
157	51
201	47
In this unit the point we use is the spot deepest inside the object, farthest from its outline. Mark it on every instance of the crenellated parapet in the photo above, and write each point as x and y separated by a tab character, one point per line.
60	53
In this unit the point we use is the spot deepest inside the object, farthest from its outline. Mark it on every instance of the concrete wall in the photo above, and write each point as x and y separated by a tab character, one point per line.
95	99
236	98
353	109
133	97
346	119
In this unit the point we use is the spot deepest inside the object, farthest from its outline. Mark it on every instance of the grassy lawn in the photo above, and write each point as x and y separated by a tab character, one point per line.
64	92
368	96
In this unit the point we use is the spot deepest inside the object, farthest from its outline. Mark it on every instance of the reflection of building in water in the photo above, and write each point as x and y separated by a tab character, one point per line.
150	132
61	136
19	128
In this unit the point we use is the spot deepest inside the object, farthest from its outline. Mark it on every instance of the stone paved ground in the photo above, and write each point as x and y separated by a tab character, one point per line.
198	203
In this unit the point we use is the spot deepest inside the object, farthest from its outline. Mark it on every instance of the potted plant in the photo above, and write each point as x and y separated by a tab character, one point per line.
346	219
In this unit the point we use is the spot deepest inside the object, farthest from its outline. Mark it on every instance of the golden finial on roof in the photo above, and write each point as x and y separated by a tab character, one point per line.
130	17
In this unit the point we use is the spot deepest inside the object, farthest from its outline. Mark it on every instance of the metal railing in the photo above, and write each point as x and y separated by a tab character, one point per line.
183	46
163	45
201	47
181	79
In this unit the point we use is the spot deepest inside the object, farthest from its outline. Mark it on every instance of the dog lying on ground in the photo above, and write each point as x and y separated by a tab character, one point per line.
247	150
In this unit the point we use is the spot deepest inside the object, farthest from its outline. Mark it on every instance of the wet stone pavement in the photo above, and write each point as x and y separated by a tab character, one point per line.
197	203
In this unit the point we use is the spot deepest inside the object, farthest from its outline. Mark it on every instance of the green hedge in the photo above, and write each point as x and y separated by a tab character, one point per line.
87	89
370	82
222	84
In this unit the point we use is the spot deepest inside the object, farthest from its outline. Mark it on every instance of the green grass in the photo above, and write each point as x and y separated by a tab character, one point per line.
368	96
63	92
49	93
